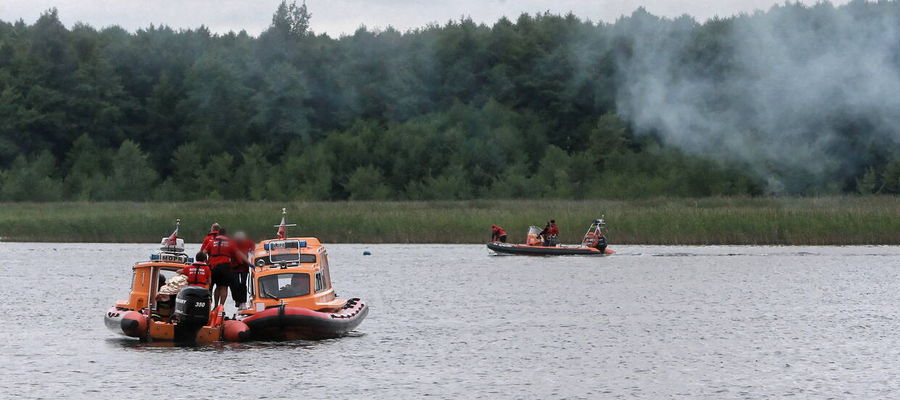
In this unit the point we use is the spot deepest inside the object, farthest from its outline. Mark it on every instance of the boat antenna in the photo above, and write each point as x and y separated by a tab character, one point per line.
282	227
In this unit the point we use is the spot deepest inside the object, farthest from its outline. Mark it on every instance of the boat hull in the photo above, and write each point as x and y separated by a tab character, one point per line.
293	323
525	250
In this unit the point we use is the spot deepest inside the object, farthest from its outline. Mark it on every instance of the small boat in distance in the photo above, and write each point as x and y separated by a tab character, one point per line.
593	244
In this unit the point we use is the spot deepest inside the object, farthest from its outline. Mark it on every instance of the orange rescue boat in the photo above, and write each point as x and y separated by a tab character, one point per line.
291	293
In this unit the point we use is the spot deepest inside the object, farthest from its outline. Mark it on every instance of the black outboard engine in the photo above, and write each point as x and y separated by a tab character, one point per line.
191	311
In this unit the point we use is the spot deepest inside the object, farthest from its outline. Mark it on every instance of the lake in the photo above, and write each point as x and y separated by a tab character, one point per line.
455	322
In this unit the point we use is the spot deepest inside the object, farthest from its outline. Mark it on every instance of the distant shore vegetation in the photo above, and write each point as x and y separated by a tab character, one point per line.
522	109
835	220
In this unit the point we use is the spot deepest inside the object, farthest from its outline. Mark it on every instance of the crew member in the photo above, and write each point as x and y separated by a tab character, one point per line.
497	234
198	273
241	270
213	231
222	254
553	229
545	235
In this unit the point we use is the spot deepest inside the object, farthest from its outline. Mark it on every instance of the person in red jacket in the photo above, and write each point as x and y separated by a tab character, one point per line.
241	270
498	234
550	233
553	230
213	231
198	274
223	253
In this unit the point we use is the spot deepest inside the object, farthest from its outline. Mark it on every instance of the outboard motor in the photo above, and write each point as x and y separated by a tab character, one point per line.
192	307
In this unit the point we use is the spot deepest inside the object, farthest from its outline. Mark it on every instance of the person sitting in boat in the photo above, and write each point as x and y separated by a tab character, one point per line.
550	233
198	273
223	253
241	270
498	234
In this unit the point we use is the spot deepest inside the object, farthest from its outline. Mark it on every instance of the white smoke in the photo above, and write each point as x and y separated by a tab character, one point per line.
804	90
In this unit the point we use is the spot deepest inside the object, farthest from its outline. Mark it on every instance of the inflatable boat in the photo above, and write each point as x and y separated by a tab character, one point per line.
161	306
528	250
593	244
291	296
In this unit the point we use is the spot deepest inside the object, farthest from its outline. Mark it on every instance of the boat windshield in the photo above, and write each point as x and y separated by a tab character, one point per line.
283	285
533	230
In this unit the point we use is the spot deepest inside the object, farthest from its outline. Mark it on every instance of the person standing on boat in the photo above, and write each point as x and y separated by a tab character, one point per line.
241	270
223	254
198	274
213	231
498	234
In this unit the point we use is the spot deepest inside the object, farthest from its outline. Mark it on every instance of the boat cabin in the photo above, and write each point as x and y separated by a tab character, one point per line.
293	272
149	276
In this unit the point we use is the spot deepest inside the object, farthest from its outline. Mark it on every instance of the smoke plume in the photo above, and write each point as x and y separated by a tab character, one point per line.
797	93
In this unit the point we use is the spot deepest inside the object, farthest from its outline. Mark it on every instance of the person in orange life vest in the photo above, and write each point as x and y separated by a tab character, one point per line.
213	231
549	233
497	234
222	254
553	229
241	270
198	274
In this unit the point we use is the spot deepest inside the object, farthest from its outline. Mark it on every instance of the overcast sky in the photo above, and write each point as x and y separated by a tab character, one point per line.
344	16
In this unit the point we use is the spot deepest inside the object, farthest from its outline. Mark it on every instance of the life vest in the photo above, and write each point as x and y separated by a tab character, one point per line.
553	230
220	251
198	274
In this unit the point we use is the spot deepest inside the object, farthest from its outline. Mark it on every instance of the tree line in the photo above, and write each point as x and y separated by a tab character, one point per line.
517	109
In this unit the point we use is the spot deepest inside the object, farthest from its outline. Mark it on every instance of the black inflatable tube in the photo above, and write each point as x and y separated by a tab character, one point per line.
542	251
287	327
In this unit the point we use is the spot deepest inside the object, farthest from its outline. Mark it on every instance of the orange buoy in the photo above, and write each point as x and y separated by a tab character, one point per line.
236	331
134	324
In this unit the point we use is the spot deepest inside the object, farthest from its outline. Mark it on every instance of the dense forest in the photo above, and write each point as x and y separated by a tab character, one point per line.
545	106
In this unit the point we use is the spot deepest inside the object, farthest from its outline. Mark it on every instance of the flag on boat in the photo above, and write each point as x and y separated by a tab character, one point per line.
282	229
172	240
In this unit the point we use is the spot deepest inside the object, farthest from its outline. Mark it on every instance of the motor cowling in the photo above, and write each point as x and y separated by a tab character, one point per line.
192	306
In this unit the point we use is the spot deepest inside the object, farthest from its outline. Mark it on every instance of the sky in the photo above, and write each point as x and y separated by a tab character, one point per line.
337	17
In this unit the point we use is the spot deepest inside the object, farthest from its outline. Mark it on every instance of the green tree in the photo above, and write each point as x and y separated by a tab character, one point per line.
132	177
31	180
367	183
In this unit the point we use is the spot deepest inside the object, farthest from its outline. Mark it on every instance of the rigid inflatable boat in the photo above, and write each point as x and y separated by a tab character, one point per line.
291	296
593	244
161	306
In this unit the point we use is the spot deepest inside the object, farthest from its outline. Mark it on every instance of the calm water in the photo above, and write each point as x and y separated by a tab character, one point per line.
454	322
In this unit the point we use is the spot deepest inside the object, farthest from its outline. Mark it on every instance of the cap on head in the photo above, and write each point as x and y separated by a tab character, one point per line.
200	257
552	221
215	227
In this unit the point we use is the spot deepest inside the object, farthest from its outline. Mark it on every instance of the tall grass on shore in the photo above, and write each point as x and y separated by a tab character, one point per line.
737	220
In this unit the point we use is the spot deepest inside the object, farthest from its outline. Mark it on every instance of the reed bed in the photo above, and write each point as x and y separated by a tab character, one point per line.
731	220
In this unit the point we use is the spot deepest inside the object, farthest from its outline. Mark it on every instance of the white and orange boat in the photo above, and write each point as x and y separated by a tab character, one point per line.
593	244
291	297
153	313
291	293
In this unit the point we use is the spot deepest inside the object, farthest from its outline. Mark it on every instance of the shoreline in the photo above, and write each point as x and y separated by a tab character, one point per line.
837	220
